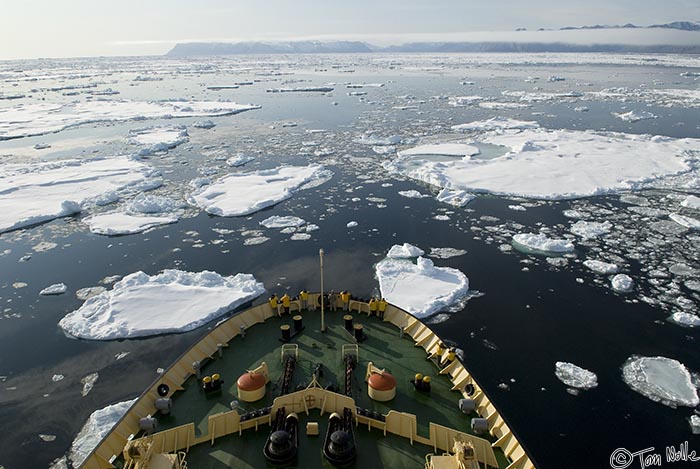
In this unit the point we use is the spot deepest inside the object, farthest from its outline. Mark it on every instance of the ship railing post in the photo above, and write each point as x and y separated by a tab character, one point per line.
323	319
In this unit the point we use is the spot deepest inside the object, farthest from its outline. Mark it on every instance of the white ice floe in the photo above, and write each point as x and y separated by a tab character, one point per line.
122	223
204	124
239	160
591	229
441	149
456	197
245	193
559	164
374	140
157	139
173	301
31	194
462	101
421	288
541	243
55	289
575	376
662	380
88	383
351	224
635	116
384	149
685	319
691	202
601	267
622	283
413	194
404	251
276	221
496	123
446	253
688	222
301	89
41	118
300	237
95	429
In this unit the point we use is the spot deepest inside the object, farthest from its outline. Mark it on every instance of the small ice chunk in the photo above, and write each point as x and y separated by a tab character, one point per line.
404	251
254	241
88	292
239	160
541	243
575	376
55	289
457	198
694	421
446	253
173	301
634	116
413	194
622	283
601	267
371	139
204	124
496	123
300	237
352	224
157	139
89	383
57	378
276	221
47	438
421	288
685	319
95	429
591	229
662	380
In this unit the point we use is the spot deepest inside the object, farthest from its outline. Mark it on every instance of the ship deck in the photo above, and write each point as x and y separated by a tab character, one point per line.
383	346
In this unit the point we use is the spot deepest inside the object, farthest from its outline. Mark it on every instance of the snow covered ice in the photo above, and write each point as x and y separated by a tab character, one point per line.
55	289
157	139
560	164
245	193
601	267
635	116
447	149
404	251
173	301
277	221
591	229
622	283
420	288
541	243
496	123
41	118
575	376
31	194
122	223
95	429
662	380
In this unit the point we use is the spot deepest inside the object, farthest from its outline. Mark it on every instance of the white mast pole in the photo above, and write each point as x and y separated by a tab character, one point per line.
323	322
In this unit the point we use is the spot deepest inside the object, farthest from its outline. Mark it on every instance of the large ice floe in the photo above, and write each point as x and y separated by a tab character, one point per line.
41	118
496	123
551	164
420	288
173	301
31	194
662	380
539	242
245	193
97	426
575	376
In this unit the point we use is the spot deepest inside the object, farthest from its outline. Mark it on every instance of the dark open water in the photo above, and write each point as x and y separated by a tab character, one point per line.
513	334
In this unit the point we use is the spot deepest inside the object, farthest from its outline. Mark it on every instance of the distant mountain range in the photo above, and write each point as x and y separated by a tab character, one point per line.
680	25
515	42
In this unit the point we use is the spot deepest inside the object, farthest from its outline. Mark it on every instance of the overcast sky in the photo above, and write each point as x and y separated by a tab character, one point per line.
70	28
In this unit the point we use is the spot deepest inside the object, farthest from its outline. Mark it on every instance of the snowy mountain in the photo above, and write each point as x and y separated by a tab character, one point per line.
680	25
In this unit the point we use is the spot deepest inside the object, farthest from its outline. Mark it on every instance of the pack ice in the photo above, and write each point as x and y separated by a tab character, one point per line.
245	193
174	301
420	288
31	194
